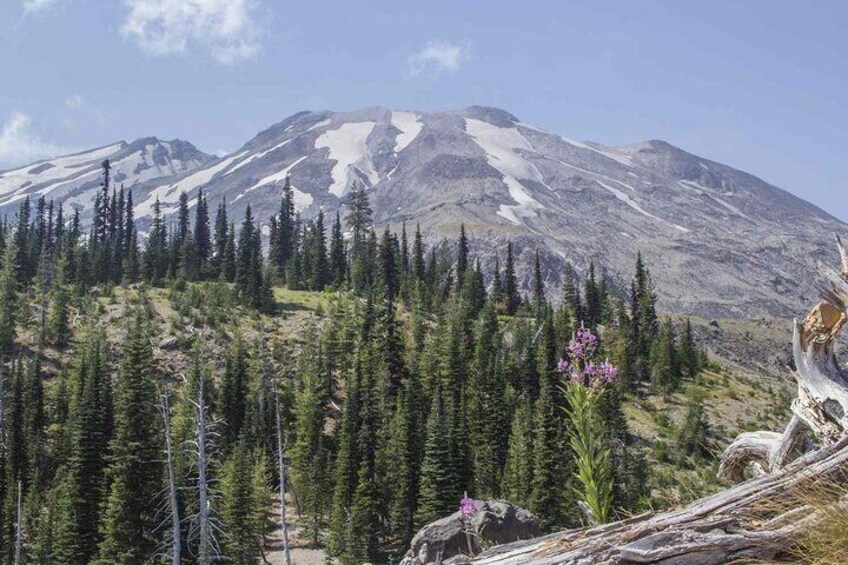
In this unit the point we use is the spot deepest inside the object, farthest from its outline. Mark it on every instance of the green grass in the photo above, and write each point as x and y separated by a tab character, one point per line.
299	299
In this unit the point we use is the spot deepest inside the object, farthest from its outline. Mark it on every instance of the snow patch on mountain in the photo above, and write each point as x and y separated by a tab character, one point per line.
169	194
55	169
410	125
348	147
302	200
500	145
627	199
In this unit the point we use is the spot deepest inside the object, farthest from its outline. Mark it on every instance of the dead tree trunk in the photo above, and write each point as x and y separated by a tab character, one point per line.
173	505
282	484
760	518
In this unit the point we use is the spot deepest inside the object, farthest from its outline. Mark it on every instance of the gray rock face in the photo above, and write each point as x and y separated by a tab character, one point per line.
75	179
495	522
719	241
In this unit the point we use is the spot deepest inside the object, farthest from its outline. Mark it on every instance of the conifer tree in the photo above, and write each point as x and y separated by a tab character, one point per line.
692	438
182	218
134	470
511	298
202	237
592	313
461	255
346	464
320	270
664	368
687	355
486	406
518	470
551	466
538	288
243	505
310	452
439	488
8	299
365	527
497	293
338	261
81	490
222	237
233	394
228	262
418	264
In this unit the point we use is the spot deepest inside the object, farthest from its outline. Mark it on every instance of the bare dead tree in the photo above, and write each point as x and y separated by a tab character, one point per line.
203	523
173	506
282	469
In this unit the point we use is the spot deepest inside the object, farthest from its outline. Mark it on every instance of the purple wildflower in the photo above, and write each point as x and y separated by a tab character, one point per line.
467	506
581	367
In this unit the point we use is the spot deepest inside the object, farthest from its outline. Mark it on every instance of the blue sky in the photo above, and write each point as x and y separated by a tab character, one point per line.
762	86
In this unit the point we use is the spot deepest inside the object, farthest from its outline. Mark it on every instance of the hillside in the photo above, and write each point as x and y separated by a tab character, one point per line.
207	314
723	243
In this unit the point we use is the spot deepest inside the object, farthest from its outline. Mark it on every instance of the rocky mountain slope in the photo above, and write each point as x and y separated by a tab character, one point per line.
75	179
720	242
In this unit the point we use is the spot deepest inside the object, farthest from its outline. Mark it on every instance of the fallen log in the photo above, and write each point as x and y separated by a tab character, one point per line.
761	518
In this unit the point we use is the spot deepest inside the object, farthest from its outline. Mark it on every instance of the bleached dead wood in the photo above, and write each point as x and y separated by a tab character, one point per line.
759	519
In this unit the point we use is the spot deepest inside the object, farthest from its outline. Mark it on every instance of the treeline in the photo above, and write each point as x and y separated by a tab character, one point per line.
422	382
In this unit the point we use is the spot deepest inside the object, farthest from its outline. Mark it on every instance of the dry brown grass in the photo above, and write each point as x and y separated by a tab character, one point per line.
825	542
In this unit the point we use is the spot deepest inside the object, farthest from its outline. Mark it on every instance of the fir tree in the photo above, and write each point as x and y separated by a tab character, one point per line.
8	299
134	471
243	505
233	394
664	369
221	237
511	298
338	261
486	406
518	470
461	255
310	452
538	288
81	489
418	265
687	354
439	488
202	237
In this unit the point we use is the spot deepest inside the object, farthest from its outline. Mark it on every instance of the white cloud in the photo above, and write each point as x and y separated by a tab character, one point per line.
37	5
75	102
438	57
227	29
19	144
81	109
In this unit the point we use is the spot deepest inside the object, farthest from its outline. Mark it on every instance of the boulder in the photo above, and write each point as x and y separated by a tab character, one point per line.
169	343
494	522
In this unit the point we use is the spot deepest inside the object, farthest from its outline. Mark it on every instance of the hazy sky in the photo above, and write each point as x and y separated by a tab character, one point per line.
759	85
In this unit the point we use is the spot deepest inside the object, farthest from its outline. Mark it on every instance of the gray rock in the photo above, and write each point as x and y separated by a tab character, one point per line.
495	522
169	343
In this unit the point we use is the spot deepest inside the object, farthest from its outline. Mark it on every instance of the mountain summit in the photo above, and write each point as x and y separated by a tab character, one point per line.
719	241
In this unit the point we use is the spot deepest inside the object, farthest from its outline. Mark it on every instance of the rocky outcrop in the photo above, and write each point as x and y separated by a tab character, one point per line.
493	523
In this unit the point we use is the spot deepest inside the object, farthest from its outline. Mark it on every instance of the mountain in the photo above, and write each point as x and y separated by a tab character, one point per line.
75	179
719	241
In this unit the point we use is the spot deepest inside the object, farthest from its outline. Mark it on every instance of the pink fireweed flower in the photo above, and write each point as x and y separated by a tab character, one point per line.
467	506
580	366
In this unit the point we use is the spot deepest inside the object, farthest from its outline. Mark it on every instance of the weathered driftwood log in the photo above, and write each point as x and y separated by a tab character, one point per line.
759	519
